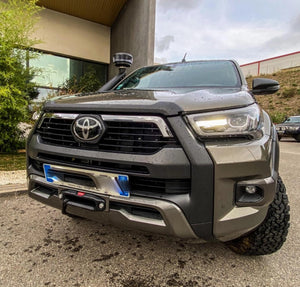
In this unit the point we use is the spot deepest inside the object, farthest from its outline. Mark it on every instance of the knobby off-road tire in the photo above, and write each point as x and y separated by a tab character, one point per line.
271	234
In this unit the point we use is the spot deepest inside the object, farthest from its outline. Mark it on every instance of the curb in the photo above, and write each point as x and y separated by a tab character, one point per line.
13	189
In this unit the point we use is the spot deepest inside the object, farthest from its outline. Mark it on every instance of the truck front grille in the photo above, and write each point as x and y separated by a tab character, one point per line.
120	136
139	185
123	134
88	163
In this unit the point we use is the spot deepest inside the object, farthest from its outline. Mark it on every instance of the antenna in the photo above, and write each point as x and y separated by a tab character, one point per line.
183	60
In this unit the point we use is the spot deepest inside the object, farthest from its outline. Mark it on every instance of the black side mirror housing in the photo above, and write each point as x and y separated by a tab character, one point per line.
263	86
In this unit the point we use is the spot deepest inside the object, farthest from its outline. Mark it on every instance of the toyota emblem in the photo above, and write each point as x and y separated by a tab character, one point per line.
88	129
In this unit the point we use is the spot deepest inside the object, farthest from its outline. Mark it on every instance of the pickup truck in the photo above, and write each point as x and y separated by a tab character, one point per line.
181	149
289	128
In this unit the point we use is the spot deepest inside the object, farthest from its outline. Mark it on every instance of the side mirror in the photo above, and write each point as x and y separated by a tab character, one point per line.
262	86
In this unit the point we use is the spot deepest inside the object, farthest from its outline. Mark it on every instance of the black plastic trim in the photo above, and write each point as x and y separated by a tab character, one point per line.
199	208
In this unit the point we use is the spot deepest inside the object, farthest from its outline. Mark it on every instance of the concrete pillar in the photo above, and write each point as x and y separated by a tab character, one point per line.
133	32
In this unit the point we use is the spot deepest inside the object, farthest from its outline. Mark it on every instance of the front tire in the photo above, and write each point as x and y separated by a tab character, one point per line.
271	234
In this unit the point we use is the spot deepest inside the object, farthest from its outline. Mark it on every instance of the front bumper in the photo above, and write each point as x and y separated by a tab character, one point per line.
243	164
287	131
134	212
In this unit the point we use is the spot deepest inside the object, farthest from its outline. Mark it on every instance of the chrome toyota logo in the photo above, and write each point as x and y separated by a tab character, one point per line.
88	129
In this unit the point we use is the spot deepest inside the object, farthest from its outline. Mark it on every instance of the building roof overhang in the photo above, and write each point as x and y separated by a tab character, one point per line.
102	12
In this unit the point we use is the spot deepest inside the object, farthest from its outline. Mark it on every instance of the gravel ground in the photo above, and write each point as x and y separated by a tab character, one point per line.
40	247
12	177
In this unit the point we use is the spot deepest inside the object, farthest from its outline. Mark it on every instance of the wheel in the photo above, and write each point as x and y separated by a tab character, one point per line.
271	234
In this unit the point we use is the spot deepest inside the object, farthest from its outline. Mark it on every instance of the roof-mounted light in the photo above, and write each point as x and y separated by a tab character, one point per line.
122	60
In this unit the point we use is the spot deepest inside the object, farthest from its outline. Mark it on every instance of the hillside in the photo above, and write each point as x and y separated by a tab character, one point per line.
286	102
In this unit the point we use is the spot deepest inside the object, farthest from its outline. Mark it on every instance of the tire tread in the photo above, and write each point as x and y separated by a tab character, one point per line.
271	234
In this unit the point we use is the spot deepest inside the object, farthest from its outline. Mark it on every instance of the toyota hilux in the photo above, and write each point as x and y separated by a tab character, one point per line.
181	149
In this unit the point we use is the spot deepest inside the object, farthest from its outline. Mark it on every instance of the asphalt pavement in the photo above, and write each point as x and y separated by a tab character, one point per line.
41	247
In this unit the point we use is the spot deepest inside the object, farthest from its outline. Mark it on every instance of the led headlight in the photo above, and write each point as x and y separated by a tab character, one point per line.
243	122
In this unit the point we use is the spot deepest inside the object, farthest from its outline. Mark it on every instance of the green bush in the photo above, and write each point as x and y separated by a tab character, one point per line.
12	111
89	82
277	117
17	19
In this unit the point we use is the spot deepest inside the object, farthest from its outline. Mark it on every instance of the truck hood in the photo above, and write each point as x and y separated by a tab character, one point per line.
148	101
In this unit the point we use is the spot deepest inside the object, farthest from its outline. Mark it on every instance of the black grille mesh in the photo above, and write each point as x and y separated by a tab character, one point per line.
87	163
142	185
120	136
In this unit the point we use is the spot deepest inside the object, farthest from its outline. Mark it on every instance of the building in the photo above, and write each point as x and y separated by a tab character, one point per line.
272	65
80	35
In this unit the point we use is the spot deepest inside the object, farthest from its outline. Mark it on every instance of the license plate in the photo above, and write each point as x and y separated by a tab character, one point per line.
104	182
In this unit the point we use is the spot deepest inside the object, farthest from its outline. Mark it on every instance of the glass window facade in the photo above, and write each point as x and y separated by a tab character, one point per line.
55	70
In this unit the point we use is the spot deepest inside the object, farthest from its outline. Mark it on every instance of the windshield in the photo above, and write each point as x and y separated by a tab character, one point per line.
293	120
183	75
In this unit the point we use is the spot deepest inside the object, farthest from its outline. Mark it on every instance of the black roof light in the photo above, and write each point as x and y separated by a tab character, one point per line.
122	61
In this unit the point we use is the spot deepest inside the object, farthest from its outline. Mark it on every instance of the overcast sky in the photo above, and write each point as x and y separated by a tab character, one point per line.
243	30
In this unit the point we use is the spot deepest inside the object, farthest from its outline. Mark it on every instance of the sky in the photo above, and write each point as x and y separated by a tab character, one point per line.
242	30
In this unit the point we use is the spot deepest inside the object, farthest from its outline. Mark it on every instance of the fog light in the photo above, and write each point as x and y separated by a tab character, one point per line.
248	194
101	206
251	189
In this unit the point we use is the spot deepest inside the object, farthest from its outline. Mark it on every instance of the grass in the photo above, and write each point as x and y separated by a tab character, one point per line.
286	101
15	161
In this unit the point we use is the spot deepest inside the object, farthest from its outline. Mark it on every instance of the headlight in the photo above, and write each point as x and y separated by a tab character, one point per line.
244	122
294	129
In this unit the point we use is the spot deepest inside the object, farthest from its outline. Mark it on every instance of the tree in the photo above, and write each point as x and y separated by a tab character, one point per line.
88	82
17	22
